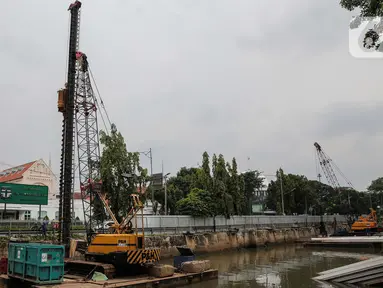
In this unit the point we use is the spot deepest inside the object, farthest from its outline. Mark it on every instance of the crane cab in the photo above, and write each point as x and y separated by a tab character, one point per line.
61	101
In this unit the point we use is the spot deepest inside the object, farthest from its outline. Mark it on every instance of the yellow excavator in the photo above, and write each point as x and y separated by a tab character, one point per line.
368	223
121	251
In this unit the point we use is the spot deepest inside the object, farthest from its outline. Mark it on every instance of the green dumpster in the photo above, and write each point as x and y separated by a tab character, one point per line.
36	262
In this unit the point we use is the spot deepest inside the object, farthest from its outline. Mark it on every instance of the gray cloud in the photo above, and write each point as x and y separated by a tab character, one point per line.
182	77
351	118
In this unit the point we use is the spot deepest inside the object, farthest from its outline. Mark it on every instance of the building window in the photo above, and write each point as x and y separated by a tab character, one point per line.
27	215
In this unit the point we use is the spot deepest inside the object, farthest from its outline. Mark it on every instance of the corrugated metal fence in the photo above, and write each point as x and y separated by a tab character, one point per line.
187	223
178	224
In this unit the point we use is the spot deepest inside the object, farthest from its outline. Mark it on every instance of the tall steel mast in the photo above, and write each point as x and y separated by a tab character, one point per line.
78	104
66	106
88	146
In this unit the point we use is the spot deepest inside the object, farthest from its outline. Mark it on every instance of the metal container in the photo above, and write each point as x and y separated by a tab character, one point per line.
186	256
36	263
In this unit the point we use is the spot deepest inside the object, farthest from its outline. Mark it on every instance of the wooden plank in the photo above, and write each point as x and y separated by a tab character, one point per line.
177	280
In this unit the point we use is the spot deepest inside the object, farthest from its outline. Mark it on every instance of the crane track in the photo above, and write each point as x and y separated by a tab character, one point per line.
85	269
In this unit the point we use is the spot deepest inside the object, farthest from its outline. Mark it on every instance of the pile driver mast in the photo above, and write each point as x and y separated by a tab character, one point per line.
77	102
66	106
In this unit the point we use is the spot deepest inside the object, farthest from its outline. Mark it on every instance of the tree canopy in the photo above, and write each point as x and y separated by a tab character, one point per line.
121	172
215	188
303	196
367	8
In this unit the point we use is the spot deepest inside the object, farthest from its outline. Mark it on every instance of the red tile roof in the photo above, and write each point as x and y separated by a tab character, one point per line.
14	173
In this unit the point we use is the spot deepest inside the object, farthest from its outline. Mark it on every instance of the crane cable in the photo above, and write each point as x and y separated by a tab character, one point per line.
331	162
101	102
344	176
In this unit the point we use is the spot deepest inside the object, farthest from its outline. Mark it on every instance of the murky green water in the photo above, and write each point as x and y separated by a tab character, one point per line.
289	266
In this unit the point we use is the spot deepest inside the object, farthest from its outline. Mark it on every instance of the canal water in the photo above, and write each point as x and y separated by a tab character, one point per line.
282	266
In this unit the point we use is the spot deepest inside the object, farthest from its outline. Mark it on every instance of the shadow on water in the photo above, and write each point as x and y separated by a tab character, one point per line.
283	266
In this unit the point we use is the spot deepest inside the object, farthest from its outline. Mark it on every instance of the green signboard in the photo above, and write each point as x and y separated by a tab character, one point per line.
23	194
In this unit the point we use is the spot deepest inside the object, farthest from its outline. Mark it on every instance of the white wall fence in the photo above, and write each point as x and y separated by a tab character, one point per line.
177	224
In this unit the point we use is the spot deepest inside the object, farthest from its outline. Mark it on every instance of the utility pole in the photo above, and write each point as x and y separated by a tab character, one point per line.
165	188
163	178
166	198
283	202
151	175
166	193
150	156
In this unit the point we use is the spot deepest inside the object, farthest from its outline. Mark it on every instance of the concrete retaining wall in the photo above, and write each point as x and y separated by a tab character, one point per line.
218	241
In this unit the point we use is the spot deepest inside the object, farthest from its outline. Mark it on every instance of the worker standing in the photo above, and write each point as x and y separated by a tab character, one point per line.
44	228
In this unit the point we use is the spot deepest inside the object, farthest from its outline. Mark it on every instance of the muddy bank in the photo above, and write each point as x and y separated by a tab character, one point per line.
219	241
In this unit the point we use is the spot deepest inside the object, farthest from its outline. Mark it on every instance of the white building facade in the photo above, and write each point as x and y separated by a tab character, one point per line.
34	173
39	173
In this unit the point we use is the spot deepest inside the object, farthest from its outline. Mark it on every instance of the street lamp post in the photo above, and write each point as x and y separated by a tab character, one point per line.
166	193
283	200
150	156
279	175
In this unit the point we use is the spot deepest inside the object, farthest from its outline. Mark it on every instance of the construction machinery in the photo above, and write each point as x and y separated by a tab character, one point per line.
363	225
367	223
328	167
109	252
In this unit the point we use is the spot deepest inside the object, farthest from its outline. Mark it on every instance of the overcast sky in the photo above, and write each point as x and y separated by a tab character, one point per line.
251	79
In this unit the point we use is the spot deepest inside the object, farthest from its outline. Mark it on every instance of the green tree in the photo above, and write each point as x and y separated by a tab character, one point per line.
178	187
376	188
234	187
376	185
299	194
204	179
121	172
367	8
250	182
224	201
197	204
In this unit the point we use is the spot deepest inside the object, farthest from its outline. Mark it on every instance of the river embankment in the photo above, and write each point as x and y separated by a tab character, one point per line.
210	242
